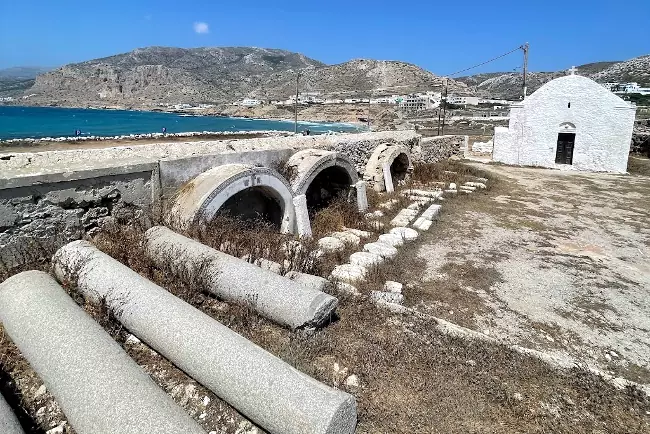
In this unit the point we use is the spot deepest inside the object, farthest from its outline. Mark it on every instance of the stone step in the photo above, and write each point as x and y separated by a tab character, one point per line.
432	212
392	240
407	234
98	386
382	249
349	273
422	224
266	390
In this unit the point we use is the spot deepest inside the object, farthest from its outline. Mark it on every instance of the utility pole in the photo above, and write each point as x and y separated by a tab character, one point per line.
525	48
369	107
444	107
295	107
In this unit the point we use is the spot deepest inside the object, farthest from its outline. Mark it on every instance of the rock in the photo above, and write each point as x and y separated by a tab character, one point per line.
407	234
265	264
365	259
41	391
349	273
391	239
331	244
388	297
381	249
404	217
352	381
518	396
475	184
347	288
57	430
374	215
452	186
451	191
467	187
432	212
359	233
391	286
347	237
422	224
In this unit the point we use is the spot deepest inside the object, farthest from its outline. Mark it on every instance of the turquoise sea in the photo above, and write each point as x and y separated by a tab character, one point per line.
38	122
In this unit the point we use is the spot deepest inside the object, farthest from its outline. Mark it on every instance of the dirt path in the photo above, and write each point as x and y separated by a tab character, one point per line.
555	261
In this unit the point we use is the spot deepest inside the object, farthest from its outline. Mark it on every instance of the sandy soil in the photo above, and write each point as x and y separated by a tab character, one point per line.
556	261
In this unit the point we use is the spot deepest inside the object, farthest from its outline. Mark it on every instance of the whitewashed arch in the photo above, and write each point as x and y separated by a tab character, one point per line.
201	198
378	173
305	166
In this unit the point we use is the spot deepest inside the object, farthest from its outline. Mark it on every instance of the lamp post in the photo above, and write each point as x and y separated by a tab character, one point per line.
295	106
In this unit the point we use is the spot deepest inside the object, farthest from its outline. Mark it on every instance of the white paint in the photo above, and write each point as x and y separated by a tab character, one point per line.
602	123
303	226
388	179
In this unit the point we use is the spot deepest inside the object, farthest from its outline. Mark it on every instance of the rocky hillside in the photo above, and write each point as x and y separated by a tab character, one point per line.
509	85
149	76
153	75
360	77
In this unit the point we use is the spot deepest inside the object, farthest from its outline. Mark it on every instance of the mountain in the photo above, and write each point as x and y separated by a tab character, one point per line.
359	77
150	76
509	85
14	81
22	72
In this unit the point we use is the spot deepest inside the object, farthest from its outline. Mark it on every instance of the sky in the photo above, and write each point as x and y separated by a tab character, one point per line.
443	37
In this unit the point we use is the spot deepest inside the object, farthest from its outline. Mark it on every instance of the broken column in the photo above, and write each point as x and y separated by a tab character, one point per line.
362	196
99	387
303	226
8	422
232	279
268	391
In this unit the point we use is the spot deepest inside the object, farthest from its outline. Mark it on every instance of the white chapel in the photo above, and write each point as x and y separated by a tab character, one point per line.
571	122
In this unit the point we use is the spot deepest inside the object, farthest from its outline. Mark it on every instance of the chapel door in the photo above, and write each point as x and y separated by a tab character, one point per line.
565	143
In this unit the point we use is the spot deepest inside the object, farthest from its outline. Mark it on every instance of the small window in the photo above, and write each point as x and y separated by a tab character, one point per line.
569	106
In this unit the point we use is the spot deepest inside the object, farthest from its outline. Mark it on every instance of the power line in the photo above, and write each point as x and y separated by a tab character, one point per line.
486	62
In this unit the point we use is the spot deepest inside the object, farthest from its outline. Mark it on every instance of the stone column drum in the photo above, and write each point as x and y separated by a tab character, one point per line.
99	387
265	389
275	297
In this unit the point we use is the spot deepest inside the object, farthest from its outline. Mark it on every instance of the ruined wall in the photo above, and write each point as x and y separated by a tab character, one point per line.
50	198
35	220
432	149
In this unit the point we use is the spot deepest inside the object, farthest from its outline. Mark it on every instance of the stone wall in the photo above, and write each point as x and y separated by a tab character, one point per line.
433	149
36	220
641	143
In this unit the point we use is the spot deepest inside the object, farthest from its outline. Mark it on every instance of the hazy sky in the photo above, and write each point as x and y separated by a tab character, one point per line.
441	36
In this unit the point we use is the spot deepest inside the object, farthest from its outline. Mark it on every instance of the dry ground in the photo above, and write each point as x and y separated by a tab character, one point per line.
556	261
412	378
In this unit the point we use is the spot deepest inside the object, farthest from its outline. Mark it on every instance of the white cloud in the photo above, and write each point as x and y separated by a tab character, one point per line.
201	27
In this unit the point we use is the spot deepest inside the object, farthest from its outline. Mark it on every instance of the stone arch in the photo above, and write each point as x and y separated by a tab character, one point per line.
320	175
241	188
387	165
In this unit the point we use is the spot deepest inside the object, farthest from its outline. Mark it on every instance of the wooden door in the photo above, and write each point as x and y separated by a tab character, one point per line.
565	144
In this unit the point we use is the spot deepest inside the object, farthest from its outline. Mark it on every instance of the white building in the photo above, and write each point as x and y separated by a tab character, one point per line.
248	102
571	122
418	102
462	100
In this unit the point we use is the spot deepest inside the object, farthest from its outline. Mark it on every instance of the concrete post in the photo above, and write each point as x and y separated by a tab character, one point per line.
388	178
8	422
303	225
275	297
268	391
100	389
362	197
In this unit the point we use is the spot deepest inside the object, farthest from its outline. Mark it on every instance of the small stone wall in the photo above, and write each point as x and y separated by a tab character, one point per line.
433	149
640	143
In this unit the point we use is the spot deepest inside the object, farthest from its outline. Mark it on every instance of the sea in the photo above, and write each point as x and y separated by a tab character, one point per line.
39	122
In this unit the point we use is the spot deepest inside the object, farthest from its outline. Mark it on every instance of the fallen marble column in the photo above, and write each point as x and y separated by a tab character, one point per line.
8	422
268	391
99	387
275	297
